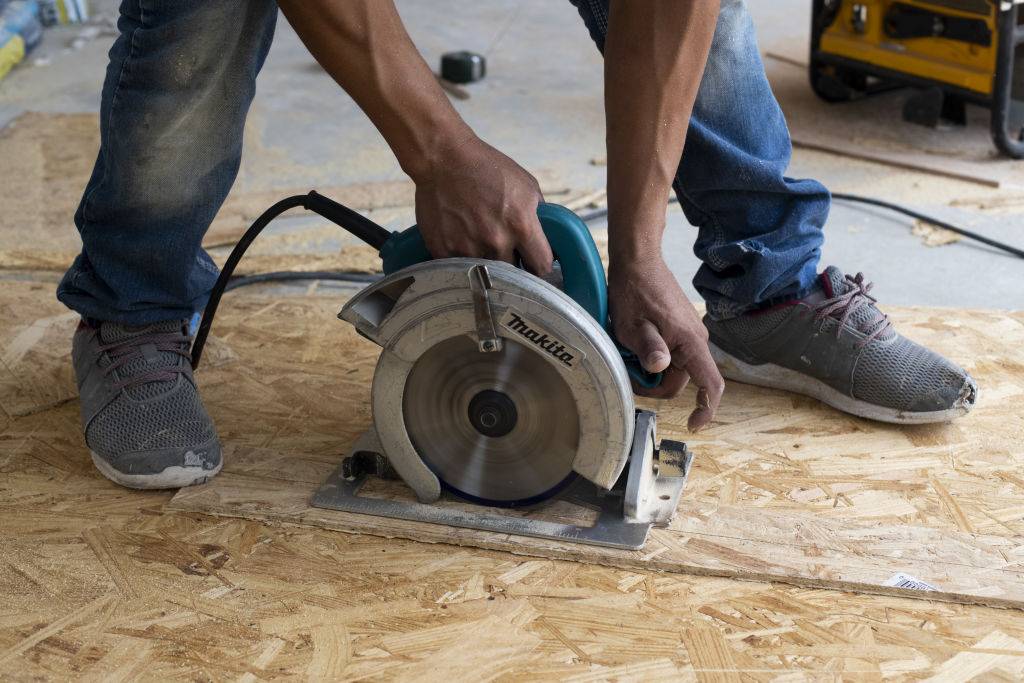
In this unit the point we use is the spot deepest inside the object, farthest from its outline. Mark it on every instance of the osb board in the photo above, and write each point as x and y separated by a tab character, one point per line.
734	542
48	159
102	583
782	488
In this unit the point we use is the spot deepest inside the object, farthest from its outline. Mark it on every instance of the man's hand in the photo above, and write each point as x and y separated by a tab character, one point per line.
477	202
653	318
655	53
471	200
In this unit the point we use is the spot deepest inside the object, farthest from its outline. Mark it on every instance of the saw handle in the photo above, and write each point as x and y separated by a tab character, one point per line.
574	248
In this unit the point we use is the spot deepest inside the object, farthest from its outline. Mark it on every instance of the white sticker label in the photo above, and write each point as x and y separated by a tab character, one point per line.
901	580
529	332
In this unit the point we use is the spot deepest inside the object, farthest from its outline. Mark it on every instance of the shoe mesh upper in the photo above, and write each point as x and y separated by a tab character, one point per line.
154	415
174	419
906	376
113	333
886	369
755	325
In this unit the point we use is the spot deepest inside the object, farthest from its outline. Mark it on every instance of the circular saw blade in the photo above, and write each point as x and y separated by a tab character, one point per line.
498	428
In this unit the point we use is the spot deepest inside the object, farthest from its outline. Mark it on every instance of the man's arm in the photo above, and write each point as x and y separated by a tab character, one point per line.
471	200
655	53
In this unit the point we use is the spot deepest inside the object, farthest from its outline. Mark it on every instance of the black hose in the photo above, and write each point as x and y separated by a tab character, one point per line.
376	236
290	275
602	212
930	219
357	224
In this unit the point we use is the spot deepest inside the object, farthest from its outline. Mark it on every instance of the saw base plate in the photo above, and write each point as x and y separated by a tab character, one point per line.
619	510
610	529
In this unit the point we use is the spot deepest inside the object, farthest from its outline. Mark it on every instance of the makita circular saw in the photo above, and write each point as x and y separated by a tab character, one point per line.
500	388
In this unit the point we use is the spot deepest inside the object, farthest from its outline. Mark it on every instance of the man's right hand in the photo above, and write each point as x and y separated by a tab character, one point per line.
471	200
653	318
475	201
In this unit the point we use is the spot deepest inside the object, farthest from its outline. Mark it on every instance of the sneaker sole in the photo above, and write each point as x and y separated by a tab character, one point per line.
174	477
777	377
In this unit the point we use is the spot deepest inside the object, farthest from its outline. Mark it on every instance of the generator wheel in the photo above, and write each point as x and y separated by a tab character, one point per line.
835	83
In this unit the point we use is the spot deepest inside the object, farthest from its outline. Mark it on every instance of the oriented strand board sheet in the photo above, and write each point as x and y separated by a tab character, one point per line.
99	582
48	159
728	541
782	488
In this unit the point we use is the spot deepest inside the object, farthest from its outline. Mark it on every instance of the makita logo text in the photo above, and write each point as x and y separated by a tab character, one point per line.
540	339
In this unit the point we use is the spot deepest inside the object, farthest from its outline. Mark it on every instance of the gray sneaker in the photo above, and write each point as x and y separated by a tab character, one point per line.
836	346
143	420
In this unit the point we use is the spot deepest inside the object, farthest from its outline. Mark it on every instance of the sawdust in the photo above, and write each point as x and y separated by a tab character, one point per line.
1000	204
934	236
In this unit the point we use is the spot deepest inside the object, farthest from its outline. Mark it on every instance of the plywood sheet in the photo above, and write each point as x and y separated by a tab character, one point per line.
782	488
102	583
728	541
48	159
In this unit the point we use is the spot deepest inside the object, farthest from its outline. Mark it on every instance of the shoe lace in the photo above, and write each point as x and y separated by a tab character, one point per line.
127	350
853	299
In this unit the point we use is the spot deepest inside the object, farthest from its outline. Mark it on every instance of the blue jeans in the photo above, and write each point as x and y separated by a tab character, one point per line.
180	81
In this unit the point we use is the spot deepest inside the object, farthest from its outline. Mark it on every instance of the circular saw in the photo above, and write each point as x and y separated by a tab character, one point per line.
497	387
493	384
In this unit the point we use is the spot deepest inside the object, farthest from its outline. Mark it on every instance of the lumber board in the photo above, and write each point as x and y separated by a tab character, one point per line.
103	583
920	162
729	542
783	489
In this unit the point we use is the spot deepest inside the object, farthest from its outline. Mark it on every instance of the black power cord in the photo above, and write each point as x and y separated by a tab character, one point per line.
339	214
290	275
376	236
1009	248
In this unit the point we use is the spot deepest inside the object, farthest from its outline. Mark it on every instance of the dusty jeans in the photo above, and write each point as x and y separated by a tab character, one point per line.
178	86
758	232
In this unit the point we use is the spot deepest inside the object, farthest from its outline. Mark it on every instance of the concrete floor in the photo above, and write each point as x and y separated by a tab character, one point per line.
541	103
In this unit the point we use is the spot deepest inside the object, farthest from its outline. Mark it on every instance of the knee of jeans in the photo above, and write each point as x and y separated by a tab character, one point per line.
738	257
733	64
210	49
196	68
179	189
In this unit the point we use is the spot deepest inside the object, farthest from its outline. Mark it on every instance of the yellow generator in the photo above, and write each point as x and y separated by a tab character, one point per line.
953	52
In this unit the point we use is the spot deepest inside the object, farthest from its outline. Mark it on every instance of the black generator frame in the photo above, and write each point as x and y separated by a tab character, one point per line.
850	79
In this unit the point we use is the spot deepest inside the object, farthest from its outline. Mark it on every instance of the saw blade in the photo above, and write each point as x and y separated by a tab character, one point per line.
500	428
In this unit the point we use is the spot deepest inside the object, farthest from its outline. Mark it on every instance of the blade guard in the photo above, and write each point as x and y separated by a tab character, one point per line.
574	249
411	311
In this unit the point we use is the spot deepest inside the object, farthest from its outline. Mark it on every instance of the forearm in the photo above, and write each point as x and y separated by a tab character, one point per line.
655	54
363	45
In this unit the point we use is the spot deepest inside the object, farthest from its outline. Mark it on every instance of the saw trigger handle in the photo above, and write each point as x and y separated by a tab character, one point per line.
647	380
583	277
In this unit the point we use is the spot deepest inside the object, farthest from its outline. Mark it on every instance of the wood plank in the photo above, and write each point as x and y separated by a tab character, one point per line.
730	542
290	396
920	162
783	488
